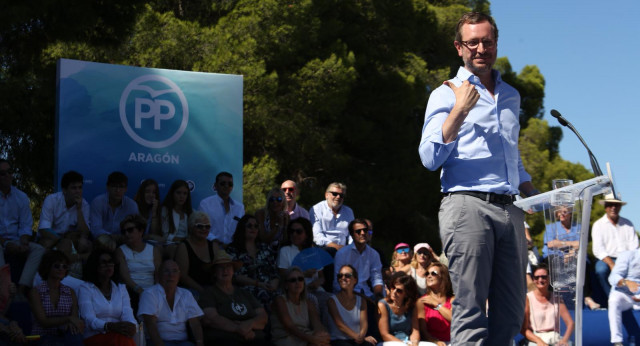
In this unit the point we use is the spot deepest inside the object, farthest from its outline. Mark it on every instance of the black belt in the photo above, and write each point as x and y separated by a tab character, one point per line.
487	196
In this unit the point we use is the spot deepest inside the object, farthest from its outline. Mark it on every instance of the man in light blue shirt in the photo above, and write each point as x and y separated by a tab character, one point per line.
625	279
471	130
330	218
110	208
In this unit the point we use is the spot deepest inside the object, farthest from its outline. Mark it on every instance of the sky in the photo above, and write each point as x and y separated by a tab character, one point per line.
585	50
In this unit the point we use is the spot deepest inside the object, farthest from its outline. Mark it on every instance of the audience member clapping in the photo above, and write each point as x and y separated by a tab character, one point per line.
297	321
434	308
104	304
137	260
148	199
273	219
167	310
300	237
54	305
174	214
258	273
539	313
401	259
422	258
232	316
348	324
195	255
398	321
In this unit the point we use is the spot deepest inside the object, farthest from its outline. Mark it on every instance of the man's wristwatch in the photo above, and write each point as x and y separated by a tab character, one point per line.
624	282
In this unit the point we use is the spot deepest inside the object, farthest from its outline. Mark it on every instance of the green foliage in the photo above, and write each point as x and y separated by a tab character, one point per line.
259	176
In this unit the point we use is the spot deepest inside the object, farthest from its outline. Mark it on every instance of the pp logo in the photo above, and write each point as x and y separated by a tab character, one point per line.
154	111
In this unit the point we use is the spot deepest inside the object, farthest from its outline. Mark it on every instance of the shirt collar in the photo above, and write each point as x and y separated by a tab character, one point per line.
464	74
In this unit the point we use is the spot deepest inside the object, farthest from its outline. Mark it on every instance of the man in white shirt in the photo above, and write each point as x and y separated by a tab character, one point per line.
295	211
330	218
612	235
224	212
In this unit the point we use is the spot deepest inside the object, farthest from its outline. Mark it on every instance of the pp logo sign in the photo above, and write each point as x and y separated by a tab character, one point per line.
154	111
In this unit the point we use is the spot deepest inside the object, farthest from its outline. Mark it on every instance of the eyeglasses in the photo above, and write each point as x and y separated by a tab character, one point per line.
402	250
360	231
297	230
130	229
287	189
336	194
6	172
345	275
296	279
275	199
473	44
252	225
226	183
538	277
203	226
60	266
433	273
423	253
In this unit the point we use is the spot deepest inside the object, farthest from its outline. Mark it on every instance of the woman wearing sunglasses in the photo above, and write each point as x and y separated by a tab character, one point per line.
539	313
273	219
401	259
422	258
348	323
299	237
195	255
434	308
258	273
398	321
297	321
54	305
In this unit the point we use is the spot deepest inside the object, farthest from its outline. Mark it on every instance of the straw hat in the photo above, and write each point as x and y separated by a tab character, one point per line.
222	257
609	198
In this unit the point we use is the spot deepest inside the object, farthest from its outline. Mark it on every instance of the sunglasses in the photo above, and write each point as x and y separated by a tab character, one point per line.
203	226
423	253
403	250
297	231
345	275
336	194
226	183
130	229
538	277
252	225
60	266
296	279
433	273
275	199
360	231
287	189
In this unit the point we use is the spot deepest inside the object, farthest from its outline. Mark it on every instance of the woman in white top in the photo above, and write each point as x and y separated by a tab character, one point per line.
422	258
137	260
175	212
104	304
348	323
300	236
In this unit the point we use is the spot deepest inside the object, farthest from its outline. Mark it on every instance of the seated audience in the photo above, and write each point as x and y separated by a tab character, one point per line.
348	323
137	260
167	309
539	313
258	273
290	189
625	280
104	304
175	212
110	208
401	258
148	199
423	255
195	255
398	321
296	322
300	237
273	219
434	308
232	316
54	305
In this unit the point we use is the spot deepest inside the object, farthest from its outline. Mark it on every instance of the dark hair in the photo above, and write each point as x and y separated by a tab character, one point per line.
136	219
308	231
143	207
48	259
223	174
353	223
542	265
71	177
90	270
353	271
169	203
410	288
444	276
240	235
117	178
475	18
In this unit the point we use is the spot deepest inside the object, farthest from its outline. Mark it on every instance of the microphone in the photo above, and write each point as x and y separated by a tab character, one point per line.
595	166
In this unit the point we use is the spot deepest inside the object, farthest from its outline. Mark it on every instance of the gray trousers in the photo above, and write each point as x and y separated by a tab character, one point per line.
486	247
31	265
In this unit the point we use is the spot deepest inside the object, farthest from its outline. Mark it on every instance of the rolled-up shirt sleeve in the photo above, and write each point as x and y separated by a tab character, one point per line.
620	269
433	151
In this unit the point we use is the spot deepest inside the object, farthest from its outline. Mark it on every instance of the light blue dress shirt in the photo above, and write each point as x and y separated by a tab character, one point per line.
627	267
484	156
330	228
555	231
104	220
366	263
15	215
